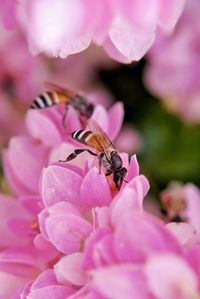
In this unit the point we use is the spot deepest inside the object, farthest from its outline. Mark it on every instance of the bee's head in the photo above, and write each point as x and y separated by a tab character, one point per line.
118	177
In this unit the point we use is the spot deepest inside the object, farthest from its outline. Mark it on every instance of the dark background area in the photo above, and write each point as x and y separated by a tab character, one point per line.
171	148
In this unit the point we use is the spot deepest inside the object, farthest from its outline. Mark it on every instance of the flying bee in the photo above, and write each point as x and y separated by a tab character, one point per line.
107	155
58	95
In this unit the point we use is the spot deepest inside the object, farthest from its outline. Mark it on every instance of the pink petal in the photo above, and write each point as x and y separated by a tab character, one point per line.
142	12
46	278
60	184
33	204
113	52
45	247
120	282
184	233
90	254
192	195
72	122
116	116
100	115
126	200
170	12
53	292
22	261
12	211
58	32
68	270
91	194
65	227
176	278
104	21
62	151
132	41
9	283
133	169
146	236
43	128
141	185
24	161
193	257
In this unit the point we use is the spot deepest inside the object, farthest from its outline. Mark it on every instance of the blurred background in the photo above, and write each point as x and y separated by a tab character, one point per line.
161	96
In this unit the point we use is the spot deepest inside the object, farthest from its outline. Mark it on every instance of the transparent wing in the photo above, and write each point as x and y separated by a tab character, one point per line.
102	139
54	87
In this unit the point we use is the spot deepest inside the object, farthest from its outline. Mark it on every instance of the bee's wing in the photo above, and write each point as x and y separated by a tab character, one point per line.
54	87
102	139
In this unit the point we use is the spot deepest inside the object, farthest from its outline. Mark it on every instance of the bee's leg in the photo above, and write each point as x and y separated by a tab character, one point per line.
108	173
100	161
75	153
64	116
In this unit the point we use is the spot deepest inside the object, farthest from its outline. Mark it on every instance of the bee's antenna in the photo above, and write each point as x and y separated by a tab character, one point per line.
125	181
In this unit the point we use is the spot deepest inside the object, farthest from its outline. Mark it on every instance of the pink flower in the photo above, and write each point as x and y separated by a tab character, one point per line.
128	263
125	30
68	204
177	279
47	142
64	226
46	285
183	201
178	54
69	234
20	74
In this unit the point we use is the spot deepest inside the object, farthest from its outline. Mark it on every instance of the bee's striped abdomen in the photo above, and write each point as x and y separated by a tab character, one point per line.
88	138
45	100
82	136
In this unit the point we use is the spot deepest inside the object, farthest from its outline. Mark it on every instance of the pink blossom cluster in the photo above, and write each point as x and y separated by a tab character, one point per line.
65	234
172	73
125	29
22	76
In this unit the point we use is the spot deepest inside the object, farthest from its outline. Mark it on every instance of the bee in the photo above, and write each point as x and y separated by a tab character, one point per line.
107	154
58	95
173	201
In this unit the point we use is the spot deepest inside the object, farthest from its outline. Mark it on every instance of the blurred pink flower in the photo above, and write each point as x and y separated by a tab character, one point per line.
125	30
172	73
20	73
45	286
183	201
128	263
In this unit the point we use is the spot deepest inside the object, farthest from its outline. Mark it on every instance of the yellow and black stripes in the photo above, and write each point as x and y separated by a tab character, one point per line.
45	100
82	136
